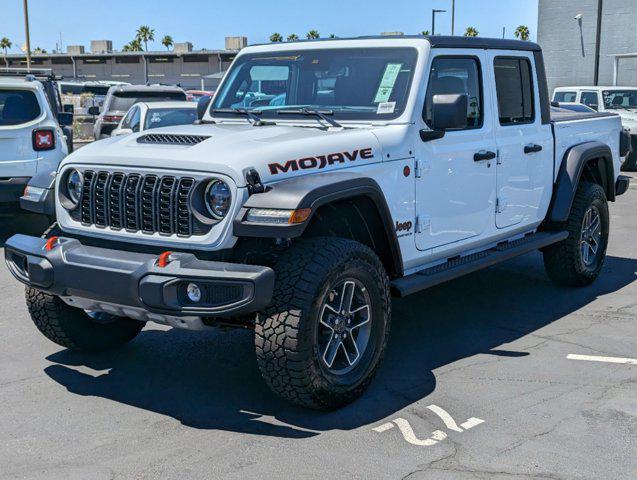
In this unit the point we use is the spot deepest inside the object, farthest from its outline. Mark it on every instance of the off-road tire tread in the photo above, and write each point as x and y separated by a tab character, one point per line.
71	328
561	260
283	355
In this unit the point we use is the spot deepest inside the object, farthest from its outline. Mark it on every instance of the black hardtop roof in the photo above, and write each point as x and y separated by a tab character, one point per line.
442	41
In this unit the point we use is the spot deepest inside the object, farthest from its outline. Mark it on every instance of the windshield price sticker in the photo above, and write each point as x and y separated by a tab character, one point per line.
386	108
387	83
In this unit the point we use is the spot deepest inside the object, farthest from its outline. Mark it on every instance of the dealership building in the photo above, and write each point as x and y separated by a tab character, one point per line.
182	65
589	42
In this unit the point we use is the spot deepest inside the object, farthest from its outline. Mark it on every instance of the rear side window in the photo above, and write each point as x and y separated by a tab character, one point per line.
18	107
564	97
168	117
456	75
514	86
590	100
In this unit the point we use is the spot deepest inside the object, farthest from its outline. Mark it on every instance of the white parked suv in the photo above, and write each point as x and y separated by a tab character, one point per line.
324	178
619	100
32	136
148	116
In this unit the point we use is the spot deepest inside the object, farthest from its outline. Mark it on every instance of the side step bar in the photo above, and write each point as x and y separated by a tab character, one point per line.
459	266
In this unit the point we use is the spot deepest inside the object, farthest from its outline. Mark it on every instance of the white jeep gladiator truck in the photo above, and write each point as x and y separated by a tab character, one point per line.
324	177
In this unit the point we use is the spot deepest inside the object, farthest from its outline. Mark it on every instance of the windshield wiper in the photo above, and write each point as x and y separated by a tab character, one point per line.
322	114
251	115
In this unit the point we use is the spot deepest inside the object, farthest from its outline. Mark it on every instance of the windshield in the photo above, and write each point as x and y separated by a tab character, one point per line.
78	89
167	117
620	99
122	101
354	83
18	107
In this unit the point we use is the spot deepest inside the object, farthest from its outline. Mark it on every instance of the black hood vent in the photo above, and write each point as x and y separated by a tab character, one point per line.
171	139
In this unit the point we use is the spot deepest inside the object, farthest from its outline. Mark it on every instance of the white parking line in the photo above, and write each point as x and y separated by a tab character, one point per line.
472	422
450	423
592	358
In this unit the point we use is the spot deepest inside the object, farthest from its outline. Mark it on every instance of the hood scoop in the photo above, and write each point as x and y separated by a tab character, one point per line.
171	139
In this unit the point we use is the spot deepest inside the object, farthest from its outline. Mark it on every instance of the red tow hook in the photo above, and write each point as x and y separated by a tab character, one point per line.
51	243
164	259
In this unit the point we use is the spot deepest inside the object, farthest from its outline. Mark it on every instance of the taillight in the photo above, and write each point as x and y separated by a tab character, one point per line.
43	140
112	118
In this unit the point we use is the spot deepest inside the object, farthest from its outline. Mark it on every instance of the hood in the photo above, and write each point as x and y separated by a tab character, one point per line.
276	152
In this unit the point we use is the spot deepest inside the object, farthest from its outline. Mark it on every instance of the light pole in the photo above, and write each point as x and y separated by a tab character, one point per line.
453	17
26	28
433	20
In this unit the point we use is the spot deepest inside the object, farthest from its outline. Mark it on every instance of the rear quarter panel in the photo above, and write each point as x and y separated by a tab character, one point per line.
575	132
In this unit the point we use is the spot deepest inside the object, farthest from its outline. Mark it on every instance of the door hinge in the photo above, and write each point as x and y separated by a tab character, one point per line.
422	223
500	205
421	168
498	157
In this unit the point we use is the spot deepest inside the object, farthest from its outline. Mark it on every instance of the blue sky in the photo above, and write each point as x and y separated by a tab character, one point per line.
206	23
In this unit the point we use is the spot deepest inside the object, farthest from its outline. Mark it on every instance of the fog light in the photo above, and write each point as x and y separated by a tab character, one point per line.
194	293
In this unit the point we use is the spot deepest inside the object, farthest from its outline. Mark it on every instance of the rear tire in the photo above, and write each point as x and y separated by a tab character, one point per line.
74	329
309	353
578	260
630	164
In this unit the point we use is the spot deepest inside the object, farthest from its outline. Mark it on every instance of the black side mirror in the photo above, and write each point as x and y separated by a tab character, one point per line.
93	110
449	112
65	119
202	107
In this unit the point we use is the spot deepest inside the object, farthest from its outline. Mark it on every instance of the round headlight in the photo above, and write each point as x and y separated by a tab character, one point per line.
218	198
74	186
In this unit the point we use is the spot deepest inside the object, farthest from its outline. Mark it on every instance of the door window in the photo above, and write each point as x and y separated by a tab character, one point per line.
135	120
590	100
456	75
514	86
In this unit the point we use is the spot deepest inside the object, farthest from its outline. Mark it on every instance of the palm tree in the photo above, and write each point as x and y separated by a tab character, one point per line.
5	44
425	33
313	34
133	46
332	36
145	34
167	41
471	32
293	37
522	32
276	38
39	50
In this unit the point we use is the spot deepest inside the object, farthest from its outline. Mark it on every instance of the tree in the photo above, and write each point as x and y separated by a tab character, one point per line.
313	34
293	37
471	32
133	46
425	33
145	34
522	32
39	50
167	41
5	44
332	36
276	38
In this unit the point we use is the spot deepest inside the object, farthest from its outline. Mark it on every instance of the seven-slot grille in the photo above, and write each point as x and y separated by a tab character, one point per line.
135	202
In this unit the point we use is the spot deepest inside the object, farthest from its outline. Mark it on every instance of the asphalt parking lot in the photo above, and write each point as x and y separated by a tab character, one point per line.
477	384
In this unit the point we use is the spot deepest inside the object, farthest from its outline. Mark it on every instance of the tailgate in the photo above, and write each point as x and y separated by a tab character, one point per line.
17	157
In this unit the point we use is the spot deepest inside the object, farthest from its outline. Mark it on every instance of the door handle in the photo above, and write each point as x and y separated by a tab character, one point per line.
532	148
483	155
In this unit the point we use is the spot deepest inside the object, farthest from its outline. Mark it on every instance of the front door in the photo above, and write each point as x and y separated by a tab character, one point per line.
455	184
525	162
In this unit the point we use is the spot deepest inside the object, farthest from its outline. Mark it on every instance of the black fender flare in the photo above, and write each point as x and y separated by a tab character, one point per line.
570	173
314	191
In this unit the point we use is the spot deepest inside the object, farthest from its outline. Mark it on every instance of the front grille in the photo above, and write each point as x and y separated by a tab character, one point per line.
135	202
171	139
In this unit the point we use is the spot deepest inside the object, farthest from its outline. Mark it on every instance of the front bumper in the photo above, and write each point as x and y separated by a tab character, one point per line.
132	284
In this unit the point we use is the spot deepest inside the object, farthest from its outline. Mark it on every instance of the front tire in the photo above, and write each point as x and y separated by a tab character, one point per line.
74	329
321	341
578	260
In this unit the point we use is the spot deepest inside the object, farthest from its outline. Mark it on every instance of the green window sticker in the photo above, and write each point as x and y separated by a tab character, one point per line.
387	83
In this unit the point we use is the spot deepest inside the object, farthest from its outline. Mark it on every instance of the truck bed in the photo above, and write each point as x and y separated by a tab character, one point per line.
565	115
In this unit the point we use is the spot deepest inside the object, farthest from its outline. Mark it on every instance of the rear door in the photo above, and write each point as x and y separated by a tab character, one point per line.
525	144
590	99
20	113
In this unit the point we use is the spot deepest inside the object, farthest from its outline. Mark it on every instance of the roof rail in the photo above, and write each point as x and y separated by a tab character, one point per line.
36	73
